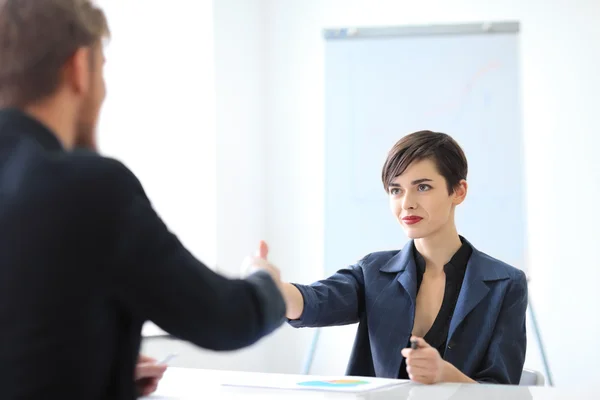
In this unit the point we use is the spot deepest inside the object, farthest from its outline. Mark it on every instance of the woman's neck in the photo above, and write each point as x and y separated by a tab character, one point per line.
438	248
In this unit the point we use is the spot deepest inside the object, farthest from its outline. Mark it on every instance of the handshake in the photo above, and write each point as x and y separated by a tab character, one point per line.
291	295
259	262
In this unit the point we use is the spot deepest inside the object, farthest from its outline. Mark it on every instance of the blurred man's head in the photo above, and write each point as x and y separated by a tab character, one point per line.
51	62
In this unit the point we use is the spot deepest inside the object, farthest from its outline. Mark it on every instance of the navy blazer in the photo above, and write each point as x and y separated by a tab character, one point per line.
86	260
487	337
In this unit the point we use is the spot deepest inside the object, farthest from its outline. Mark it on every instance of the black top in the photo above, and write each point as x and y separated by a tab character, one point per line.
455	274
85	261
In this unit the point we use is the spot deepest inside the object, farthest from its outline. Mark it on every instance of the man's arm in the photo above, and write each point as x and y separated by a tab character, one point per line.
292	296
154	276
336	300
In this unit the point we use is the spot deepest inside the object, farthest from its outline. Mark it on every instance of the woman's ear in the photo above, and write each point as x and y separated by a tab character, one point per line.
460	192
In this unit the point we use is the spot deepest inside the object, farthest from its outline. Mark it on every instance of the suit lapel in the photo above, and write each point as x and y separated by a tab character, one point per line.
396	304
400	298
474	288
472	292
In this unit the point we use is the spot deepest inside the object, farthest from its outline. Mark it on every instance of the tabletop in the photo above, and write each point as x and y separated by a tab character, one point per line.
185	383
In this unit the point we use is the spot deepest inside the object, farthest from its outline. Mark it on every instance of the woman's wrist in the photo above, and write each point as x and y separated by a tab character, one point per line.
452	374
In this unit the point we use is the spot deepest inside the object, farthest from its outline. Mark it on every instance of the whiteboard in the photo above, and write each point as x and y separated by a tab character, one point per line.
379	88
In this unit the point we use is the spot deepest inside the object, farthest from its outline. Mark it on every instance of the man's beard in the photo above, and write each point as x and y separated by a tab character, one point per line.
86	136
85	130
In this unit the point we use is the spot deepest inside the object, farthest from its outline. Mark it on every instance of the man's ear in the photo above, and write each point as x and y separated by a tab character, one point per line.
78	70
460	192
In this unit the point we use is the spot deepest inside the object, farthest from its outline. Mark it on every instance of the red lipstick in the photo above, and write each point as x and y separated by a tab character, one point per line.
411	219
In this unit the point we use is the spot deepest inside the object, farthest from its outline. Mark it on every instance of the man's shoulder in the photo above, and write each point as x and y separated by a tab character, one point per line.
97	164
90	165
104	177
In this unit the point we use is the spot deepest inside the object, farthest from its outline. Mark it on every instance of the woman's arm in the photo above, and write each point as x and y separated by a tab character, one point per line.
293	300
505	357
336	300
452	374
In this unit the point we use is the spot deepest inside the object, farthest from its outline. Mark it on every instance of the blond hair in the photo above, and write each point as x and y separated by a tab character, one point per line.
37	37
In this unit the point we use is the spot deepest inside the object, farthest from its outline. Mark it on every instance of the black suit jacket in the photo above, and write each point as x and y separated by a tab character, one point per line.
85	261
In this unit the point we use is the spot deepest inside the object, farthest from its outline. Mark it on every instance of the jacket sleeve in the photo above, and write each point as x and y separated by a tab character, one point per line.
157	279
337	300
505	356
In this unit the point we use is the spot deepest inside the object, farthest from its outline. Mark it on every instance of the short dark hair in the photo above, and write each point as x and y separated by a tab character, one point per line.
37	37
441	148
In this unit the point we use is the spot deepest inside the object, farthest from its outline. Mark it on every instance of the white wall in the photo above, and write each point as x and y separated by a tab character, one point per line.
240	57
159	114
560	84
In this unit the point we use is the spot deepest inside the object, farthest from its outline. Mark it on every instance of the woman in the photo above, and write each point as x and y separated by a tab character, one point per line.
462	310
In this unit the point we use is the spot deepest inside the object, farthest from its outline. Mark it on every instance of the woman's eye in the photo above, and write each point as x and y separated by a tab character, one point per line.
423	187
394	191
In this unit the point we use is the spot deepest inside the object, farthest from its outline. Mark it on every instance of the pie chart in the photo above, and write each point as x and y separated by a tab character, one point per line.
335	383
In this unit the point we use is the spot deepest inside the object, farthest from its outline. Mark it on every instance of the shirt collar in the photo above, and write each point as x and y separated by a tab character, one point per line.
459	260
16	122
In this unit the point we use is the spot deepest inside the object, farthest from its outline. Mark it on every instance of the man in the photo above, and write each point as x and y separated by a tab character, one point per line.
85	258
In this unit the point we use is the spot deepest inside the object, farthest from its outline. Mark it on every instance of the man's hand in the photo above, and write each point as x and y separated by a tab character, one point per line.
147	375
294	301
259	262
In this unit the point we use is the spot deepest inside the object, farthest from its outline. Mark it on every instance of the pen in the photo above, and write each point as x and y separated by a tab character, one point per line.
168	358
414	344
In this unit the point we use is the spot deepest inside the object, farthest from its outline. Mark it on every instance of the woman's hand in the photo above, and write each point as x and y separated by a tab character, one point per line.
424	364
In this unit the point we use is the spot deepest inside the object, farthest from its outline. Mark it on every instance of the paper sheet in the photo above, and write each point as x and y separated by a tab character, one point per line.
316	383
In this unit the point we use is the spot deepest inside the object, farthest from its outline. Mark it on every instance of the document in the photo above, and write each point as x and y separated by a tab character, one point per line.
345	384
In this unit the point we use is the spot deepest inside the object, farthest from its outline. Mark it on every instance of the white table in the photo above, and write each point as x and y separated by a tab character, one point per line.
151	330
183	383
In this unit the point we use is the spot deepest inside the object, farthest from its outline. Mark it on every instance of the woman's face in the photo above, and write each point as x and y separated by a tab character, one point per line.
420	201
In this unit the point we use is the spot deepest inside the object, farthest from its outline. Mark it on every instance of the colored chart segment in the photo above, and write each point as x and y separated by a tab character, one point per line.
335	383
